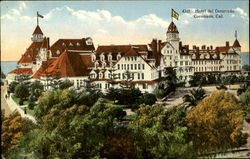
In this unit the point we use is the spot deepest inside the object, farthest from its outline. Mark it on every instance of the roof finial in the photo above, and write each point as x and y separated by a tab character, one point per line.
235	35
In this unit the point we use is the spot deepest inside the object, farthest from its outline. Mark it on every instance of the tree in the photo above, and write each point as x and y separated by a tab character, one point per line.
113	94
246	67
129	96
57	98
148	99
22	92
119	146
245	100
12	86
35	91
171	79
2	75
216	123
13	128
156	138
195	96
65	84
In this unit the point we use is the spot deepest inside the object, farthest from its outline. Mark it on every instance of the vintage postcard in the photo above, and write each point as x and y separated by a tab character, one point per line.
125	79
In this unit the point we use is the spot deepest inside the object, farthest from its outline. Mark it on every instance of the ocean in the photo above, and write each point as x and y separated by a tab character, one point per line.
7	66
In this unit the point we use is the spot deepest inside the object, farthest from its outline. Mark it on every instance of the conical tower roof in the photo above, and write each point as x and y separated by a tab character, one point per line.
172	28
37	30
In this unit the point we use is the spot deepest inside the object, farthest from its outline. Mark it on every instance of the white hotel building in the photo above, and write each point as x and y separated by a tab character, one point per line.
140	66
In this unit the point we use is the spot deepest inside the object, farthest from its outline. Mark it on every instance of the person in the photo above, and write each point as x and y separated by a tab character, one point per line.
25	110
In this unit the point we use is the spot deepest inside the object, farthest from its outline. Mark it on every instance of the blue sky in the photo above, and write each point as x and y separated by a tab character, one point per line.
122	22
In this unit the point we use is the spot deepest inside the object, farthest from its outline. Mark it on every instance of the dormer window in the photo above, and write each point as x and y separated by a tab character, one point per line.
193	56
102	57
96	64
118	56
100	75
89	41
63	44
70	44
78	44
110	57
57	52
103	65
215	56
201	56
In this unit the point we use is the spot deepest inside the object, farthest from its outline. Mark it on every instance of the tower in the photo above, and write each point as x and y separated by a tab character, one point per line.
236	44
37	35
173	35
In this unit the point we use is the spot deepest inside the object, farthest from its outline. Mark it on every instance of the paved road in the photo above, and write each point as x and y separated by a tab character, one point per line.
11	106
4	105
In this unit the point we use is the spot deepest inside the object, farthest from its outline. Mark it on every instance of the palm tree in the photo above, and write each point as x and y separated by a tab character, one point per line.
194	97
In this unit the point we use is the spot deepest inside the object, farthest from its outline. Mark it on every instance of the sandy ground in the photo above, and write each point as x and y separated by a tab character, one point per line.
4	105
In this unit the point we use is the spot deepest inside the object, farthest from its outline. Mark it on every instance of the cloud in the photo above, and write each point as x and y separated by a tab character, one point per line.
105	27
16	13
242	14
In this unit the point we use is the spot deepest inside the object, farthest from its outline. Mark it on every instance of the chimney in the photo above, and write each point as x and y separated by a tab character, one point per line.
180	43
48	43
194	47
227	43
159	46
154	45
203	47
211	47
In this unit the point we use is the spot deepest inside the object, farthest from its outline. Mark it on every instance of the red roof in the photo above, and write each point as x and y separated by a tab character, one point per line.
70	44
68	64
122	49
236	43
21	71
41	71
172	28
31	53
131	52
37	30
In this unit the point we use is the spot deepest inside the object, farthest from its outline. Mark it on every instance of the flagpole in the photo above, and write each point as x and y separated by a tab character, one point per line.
172	15
37	18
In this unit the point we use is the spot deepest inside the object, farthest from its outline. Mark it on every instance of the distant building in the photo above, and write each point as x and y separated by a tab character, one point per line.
139	66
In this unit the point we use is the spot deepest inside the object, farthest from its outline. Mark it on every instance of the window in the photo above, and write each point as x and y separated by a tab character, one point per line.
131	66
57	52
122	66
139	66
128	66
144	86
138	75
142	76
118	66
143	66
135	66
181	63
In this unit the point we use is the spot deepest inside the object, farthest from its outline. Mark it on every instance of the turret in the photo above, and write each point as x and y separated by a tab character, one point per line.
37	35
173	36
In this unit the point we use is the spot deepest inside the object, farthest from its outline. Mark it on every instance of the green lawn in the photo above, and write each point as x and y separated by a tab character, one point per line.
130	117
29	111
18	99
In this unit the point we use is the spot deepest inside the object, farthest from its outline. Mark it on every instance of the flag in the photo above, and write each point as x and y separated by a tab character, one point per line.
39	15
174	14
